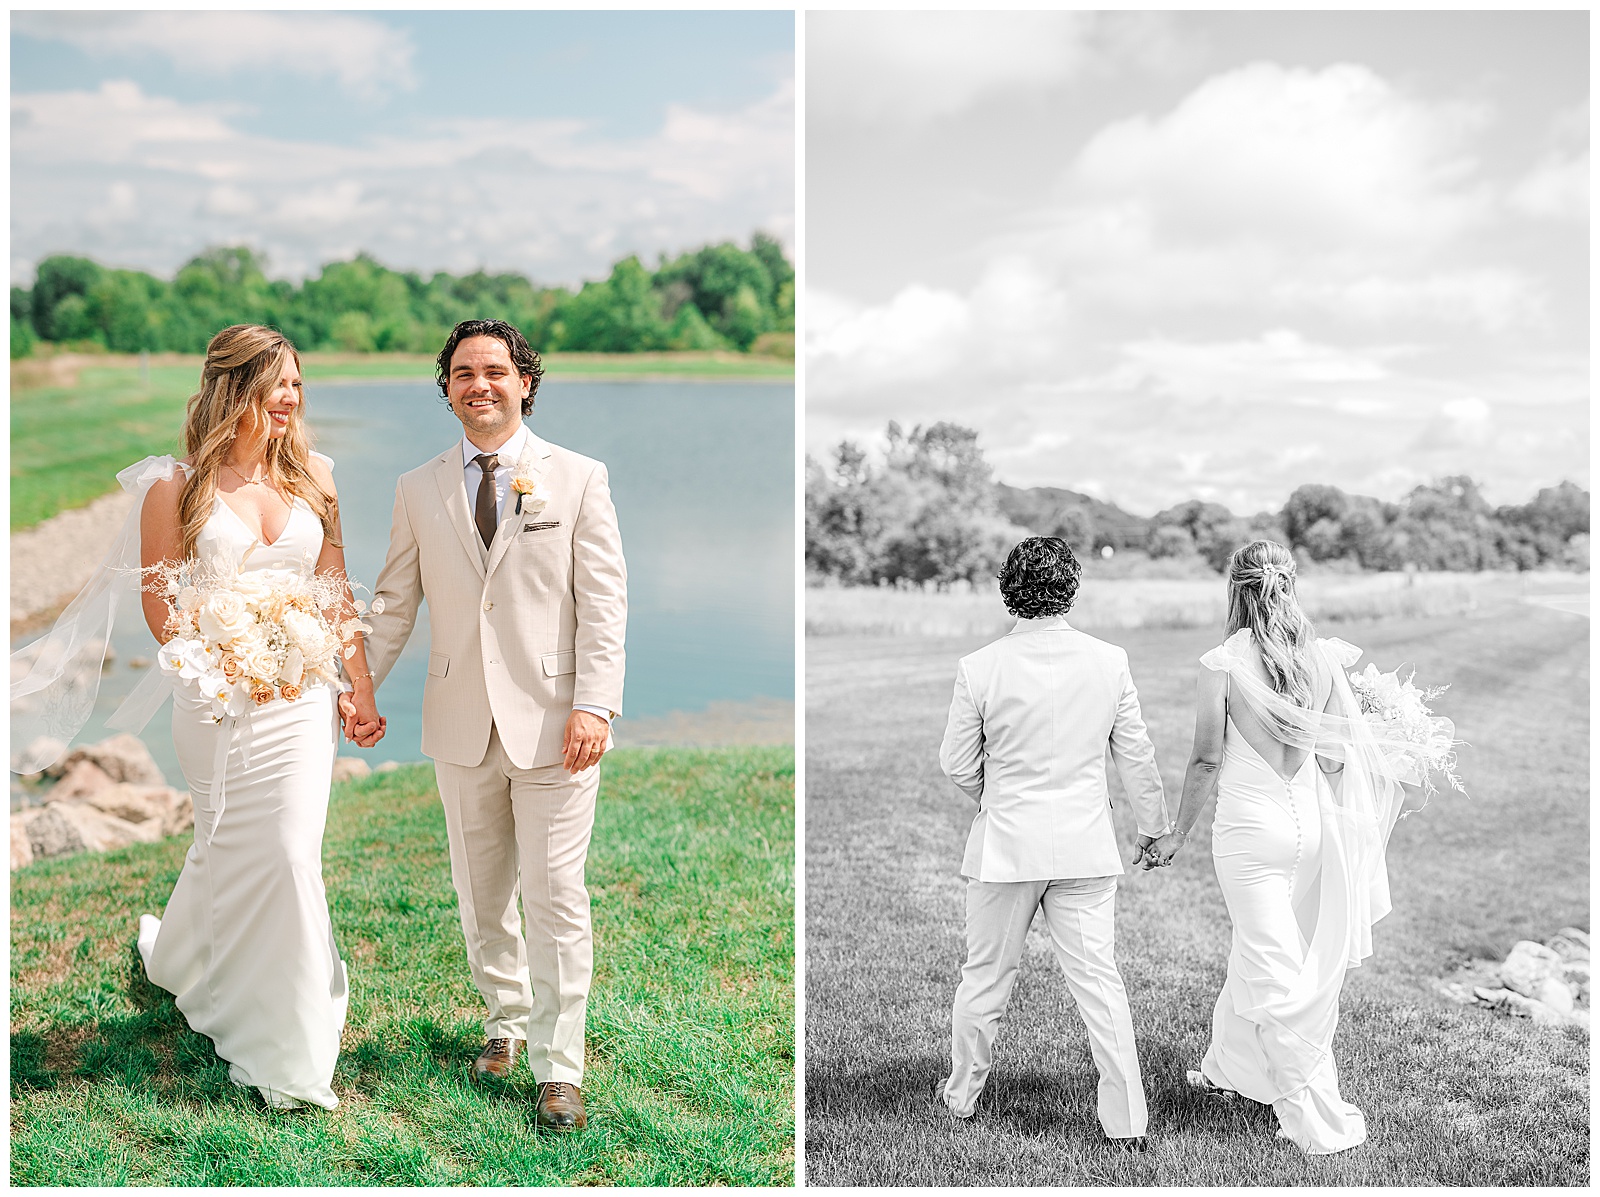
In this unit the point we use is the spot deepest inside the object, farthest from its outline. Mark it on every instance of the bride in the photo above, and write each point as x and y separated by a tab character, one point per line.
1305	803
246	944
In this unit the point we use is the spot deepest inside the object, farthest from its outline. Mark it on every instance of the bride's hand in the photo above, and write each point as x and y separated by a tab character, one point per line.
1164	849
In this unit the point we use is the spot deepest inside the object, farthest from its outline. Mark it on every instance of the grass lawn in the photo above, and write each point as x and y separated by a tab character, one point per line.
690	1072
1452	1096
76	420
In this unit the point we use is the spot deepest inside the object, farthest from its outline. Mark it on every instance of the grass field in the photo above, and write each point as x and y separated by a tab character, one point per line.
1179	602
78	419
1452	1096
690	1073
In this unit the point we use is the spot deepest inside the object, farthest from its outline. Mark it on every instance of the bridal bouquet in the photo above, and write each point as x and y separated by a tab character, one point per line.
1421	743
251	638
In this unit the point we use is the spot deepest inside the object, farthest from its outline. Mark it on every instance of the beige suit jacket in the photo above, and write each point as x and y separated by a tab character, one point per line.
520	631
1030	722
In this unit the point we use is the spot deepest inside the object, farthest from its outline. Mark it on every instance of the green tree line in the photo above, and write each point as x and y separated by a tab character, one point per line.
932	513
716	297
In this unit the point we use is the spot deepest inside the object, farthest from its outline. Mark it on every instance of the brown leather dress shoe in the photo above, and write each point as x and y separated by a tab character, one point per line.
497	1058
560	1107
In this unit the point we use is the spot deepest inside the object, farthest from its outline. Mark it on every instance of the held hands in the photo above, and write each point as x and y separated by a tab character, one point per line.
585	741
1160	853
363	726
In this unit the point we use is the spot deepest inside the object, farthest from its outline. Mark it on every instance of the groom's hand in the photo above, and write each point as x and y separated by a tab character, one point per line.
1140	844
585	741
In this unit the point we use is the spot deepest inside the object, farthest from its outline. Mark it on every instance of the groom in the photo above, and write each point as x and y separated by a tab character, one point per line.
513	543
1030	722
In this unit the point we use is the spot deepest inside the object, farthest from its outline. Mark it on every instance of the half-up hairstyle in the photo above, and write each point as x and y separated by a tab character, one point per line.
1261	597
243	364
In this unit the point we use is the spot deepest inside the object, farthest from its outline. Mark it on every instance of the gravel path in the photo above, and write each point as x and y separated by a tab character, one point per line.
52	561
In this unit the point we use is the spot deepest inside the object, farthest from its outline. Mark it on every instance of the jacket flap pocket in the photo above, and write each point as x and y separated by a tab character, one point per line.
556	664
438	664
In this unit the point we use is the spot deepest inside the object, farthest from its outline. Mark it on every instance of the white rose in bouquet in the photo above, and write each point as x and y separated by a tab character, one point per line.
306	633
224	616
252	590
256	654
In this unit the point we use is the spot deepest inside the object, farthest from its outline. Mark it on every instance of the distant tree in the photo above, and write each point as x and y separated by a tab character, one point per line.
1213	531
928	516
621	314
60	305
733	289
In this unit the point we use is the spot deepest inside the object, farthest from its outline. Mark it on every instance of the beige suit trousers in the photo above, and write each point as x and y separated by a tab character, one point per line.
1078	915
514	828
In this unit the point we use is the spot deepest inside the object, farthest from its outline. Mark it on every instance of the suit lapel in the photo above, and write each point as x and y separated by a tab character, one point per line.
533	464
452	480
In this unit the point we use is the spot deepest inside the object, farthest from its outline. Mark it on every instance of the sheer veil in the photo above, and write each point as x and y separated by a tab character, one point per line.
55	679
1361	802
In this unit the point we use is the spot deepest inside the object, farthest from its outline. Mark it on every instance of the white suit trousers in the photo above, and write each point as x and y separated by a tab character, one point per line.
1078	915
525	829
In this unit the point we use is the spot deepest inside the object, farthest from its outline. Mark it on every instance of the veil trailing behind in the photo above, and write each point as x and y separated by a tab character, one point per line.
1360	804
55	679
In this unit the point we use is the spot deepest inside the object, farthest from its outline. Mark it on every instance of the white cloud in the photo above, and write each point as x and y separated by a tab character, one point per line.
1491	298
1557	188
365	56
1278	365
549	197
913	67
1268	152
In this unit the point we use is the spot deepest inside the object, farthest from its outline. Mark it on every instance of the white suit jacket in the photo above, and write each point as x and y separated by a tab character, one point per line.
520	630
1030	722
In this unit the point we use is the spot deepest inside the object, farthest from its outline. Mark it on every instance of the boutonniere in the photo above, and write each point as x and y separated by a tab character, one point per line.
530	496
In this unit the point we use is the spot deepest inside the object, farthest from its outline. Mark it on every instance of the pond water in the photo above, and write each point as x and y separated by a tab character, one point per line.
702	475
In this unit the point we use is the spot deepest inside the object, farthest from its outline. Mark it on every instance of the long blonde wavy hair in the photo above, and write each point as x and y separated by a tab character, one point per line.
243	365
1261	597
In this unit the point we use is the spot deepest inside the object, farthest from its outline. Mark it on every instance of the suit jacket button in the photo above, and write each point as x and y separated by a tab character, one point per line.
488	606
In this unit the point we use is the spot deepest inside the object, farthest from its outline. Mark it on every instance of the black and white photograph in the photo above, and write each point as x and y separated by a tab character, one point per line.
1196	641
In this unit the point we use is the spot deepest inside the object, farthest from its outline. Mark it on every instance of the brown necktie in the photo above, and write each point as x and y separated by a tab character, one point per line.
486	516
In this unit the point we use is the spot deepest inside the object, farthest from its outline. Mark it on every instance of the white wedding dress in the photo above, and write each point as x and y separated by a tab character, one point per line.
1303	886
246	944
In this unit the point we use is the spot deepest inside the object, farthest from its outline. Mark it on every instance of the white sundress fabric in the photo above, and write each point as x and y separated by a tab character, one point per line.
1300	861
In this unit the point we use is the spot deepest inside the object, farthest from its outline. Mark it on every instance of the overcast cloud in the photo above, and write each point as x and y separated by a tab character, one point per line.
1215	268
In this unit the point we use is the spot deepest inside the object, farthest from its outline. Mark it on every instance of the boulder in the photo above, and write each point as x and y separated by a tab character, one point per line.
1556	995
169	809
52	833
98	831
1509	1001
21	847
347	767
387	767
41	748
1570	944
124	757
1528	967
83	779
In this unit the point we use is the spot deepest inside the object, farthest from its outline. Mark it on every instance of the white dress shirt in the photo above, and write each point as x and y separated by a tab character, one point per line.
509	453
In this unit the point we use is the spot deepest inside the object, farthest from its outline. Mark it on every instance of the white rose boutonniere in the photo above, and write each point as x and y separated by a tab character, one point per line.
532	498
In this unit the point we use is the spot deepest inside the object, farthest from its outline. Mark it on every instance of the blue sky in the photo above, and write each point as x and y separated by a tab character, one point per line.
1160	256
545	142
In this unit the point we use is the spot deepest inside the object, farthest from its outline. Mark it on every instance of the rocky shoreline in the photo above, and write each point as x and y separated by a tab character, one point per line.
51	562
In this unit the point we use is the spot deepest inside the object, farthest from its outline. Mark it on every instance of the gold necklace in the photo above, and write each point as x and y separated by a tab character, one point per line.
242	478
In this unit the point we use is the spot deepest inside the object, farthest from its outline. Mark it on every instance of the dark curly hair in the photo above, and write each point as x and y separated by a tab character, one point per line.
1040	578
523	355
